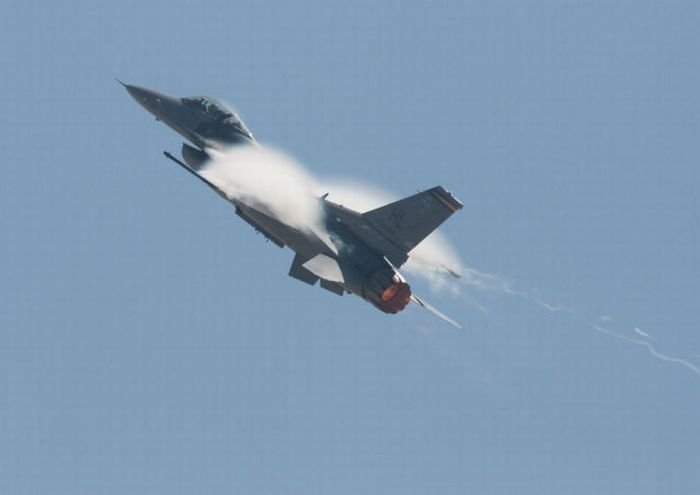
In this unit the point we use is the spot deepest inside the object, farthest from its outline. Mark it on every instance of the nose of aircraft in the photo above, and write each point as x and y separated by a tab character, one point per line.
147	98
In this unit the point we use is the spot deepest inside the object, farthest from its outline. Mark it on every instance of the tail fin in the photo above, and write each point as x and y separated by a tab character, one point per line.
408	221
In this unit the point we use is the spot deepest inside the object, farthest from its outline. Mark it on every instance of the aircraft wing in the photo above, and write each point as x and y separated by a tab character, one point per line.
216	188
252	217
435	311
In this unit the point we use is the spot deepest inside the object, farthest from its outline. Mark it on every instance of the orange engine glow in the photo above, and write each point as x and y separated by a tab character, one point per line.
395	297
390	292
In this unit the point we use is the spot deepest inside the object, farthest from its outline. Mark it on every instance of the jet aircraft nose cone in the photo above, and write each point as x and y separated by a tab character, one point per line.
168	109
142	95
147	98
134	91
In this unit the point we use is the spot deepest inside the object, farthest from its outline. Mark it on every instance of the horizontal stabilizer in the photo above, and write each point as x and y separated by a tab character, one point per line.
298	271
435	311
333	287
325	268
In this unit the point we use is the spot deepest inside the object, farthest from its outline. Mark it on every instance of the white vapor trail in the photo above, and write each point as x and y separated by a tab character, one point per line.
271	179
643	334
485	281
493	283
650	348
632	340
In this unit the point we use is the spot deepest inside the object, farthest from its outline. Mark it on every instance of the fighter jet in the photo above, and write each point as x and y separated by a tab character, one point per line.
204	121
353	252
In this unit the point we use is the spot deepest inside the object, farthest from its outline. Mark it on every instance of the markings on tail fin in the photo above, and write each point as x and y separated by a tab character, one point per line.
406	222
396	217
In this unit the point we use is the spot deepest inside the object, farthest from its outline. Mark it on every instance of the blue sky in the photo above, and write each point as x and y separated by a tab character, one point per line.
151	343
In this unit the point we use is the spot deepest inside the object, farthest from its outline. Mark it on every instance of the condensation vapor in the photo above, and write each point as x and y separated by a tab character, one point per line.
271	179
492	283
268	179
653	351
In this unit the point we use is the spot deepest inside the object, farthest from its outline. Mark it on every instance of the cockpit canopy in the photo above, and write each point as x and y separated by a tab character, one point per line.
213	107
218	111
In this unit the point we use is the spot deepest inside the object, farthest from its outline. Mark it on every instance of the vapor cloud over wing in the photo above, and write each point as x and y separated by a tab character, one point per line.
269	178
266	176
